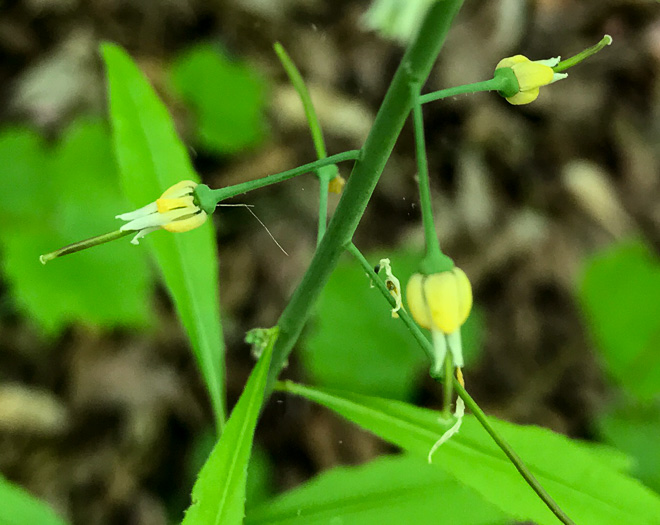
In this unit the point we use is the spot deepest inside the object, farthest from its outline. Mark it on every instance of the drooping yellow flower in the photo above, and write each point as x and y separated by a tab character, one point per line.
441	301
531	76
174	211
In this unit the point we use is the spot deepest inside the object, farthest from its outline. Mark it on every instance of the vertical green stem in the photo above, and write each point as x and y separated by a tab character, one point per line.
323	208
448	386
415	67
327	173
430	235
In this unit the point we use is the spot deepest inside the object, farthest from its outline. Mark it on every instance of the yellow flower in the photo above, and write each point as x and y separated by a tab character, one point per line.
441	302
531	75
174	211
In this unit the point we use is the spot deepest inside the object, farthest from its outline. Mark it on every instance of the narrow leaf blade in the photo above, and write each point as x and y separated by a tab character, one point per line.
589	489
219	493
151	159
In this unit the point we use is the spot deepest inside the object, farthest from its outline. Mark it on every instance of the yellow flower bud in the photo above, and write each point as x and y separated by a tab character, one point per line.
531	75
336	185
441	301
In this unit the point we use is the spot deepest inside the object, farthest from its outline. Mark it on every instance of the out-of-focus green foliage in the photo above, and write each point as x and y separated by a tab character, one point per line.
394	489
18	507
218	496
55	195
260	483
226	97
635	429
620	294
151	159
357	345
589	487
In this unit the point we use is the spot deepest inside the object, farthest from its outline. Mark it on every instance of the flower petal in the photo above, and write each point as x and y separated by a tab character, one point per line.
417	302
532	75
185	187
173	203
524	97
140	212
441	294
511	61
136	240
185	224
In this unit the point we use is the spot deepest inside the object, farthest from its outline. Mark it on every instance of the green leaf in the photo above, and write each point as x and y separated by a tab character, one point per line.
219	492
259	478
394	489
227	98
620	295
151	159
378	356
21	508
54	196
587	488
634	428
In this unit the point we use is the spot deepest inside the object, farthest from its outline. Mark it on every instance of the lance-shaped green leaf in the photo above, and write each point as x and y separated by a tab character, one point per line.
393	489
586	485
219	492
152	158
21	508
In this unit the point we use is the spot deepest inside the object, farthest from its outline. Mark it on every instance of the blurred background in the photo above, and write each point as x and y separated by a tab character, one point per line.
552	209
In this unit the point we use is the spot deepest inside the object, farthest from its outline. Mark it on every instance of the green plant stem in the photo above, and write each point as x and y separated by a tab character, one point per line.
208	198
299	85
448	386
433	253
326	173
323	208
83	245
416	331
427	346
511	454
494	84
415	67
576	59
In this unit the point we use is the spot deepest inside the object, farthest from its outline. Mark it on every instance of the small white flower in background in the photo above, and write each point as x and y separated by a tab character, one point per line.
174	211
396	19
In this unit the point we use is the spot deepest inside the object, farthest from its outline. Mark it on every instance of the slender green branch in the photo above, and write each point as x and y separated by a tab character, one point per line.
415	67
323	207
433	256
326	173
208	198
426	345
576	59
83	245
414	328
301	88
494	84
511	454
447	386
